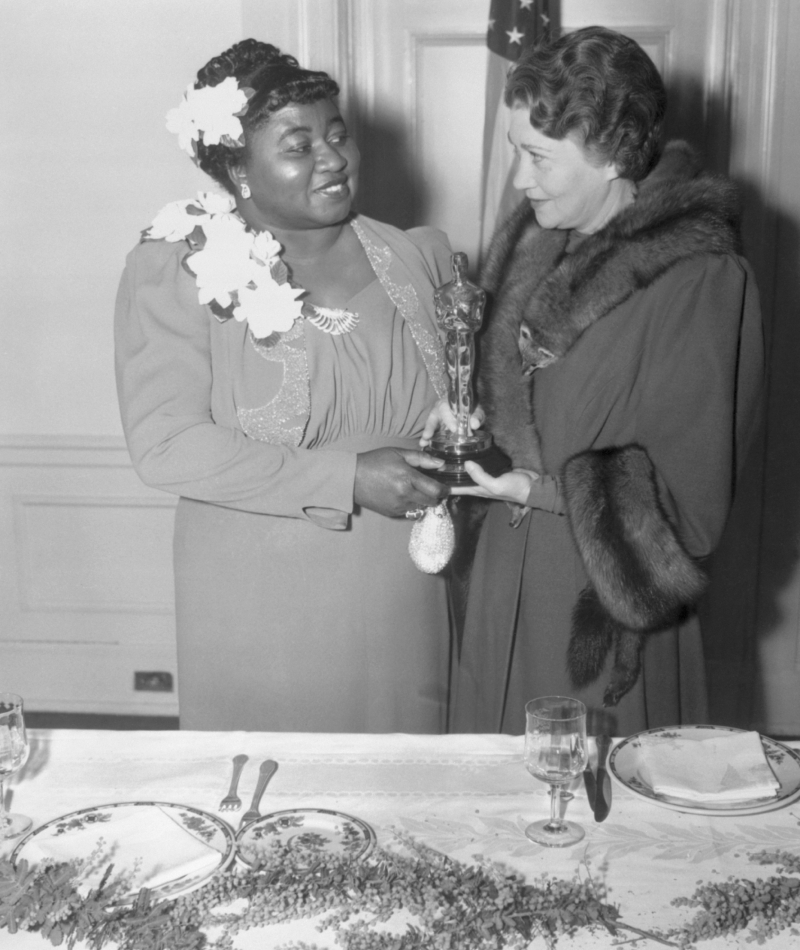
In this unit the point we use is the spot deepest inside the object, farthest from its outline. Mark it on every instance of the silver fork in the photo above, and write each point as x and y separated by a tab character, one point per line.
232	802
265	773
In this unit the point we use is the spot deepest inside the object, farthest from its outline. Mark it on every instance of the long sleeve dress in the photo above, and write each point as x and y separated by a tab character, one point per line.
671	366
295	610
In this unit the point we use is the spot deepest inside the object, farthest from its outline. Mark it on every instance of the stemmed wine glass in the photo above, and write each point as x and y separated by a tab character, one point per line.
14	750
555	752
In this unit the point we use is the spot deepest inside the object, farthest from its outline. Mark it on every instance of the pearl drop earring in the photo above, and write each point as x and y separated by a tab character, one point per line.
245	190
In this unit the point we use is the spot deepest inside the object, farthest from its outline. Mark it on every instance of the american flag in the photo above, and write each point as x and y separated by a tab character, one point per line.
513	25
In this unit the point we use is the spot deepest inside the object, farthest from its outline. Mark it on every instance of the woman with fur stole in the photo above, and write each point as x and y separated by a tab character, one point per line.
620	371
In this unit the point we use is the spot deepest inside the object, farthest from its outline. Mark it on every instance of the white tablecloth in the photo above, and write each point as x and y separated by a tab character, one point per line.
463	795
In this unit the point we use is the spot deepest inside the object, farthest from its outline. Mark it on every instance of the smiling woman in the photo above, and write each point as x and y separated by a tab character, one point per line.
277	357
300	175
301	169
566	185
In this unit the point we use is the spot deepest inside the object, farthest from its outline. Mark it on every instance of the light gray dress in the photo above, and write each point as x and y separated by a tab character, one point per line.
295	610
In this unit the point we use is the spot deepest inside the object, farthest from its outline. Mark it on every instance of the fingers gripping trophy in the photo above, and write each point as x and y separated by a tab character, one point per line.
459	313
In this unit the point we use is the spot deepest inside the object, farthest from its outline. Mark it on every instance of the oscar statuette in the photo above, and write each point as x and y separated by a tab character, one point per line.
459	313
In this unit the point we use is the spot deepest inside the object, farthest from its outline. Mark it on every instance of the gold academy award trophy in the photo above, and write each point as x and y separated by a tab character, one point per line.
459	313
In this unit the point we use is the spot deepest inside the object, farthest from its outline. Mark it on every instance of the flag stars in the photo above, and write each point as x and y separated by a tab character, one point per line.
525	4
514	35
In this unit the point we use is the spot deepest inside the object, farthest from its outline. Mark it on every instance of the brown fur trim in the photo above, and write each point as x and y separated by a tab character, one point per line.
670	222
677	215
638	567
503	390
594	632
641	578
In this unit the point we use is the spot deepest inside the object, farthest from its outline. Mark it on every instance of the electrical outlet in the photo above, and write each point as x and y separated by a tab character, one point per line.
157	682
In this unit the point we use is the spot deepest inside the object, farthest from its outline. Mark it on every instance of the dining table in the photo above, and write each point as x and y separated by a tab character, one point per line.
469	797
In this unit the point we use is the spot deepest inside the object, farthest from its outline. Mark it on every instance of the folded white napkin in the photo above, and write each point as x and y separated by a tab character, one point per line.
728	768
142	841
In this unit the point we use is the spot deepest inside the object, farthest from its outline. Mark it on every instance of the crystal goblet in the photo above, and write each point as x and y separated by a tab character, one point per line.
555	752
14	751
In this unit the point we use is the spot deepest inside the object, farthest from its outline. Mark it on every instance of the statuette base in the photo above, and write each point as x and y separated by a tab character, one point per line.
477	447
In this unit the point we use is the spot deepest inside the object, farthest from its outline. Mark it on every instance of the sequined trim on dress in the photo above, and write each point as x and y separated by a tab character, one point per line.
271	423
404	297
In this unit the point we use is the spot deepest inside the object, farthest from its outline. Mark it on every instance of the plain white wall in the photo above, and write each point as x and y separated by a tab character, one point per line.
85	163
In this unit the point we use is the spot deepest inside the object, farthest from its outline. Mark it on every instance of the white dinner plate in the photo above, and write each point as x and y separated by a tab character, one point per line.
206	827
625	765
312	829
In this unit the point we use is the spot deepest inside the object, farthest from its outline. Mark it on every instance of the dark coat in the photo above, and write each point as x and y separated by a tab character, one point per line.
646	343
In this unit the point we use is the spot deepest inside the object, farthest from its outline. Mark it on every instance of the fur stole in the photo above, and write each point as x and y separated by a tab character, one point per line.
542	301
554	297
641	578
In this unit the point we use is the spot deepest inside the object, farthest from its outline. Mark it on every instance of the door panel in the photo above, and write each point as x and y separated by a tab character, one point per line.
418	94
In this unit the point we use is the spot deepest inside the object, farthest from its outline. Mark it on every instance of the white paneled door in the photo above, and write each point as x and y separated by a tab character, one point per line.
419	76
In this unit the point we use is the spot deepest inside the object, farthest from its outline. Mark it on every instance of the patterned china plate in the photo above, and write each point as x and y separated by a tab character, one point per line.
315	829
625	764
207	828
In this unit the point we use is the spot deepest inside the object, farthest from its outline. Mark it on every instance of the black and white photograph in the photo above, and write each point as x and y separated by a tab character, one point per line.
399	474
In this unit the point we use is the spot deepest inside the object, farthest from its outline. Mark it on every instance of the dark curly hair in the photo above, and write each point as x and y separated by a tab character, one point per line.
600	84
278	80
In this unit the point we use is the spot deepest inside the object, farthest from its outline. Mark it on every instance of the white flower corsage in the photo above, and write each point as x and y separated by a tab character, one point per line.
178	219
211	114
239	273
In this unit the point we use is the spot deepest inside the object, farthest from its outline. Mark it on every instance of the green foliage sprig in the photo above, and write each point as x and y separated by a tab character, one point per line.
764	907
453	905
46	900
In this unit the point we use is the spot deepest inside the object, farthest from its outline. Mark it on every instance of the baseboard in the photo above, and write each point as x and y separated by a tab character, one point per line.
51	720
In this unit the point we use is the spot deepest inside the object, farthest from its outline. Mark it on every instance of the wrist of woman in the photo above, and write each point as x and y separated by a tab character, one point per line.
546	494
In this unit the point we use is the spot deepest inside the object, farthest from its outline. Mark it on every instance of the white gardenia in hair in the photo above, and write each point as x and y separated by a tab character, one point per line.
211	113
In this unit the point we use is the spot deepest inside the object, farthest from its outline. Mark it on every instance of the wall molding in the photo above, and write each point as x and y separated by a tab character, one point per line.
359	51
718	83
755	62
64	450
88	677
86	587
